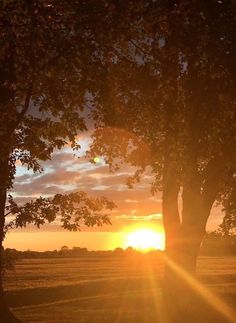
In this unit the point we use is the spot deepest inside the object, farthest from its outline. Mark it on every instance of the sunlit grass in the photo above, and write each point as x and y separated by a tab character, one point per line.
89	289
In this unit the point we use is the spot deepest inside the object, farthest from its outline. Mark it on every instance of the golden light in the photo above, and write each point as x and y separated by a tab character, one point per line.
212	299
145	240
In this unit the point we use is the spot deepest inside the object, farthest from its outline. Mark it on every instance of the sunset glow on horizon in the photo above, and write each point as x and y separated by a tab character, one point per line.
145	240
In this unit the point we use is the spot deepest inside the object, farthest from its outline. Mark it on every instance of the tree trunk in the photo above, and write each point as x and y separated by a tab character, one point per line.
180	297
183	239
5	314
181	257
8	123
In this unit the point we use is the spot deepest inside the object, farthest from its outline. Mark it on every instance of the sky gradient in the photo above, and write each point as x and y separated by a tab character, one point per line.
136	208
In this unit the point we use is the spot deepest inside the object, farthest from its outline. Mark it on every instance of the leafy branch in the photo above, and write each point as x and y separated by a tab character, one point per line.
71	210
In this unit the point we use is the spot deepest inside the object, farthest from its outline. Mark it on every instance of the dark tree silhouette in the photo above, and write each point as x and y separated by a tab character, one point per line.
167	102
71	210
159	77
46	68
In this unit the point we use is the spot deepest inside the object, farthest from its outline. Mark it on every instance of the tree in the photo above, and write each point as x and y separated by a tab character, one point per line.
160	85
218	242
167	103
46	68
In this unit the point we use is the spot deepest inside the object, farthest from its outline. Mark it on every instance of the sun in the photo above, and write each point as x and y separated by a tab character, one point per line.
145	240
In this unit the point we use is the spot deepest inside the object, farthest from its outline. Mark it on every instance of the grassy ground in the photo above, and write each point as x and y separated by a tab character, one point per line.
121	289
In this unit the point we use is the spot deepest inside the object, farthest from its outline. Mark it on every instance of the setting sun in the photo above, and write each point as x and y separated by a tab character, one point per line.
146	239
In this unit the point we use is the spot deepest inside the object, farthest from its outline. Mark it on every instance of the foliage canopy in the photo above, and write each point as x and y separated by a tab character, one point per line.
170	86
46	72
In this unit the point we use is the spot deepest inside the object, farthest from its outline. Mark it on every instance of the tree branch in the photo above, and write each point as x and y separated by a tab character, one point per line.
171	216
25	108
211	184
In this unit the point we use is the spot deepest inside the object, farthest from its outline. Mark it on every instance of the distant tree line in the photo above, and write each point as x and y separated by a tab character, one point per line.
10	256
216	243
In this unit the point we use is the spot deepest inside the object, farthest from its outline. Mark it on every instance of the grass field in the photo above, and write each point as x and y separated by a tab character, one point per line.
102	289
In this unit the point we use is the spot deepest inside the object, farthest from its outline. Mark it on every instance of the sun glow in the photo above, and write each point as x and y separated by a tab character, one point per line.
145	240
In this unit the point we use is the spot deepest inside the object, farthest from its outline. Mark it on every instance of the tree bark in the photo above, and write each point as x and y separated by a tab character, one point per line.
183	239
180	298
5	314
9	119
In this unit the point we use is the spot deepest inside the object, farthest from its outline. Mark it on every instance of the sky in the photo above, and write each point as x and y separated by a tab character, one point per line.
136	208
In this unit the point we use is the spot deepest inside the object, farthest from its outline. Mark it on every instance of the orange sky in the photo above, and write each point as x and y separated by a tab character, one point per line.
136	208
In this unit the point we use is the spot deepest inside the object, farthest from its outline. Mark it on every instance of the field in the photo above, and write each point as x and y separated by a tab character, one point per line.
102	289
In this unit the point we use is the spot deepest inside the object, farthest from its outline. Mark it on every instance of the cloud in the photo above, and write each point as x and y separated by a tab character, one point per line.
65	172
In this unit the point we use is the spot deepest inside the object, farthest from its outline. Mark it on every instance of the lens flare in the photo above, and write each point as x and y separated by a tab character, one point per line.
96	160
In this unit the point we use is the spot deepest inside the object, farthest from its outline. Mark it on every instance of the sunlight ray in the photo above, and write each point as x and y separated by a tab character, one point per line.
154	286
216	302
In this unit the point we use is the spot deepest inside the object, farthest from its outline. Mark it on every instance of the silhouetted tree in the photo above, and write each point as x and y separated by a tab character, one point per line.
130	251
118	252
161	87
8	260
167	103
46	67
218	243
